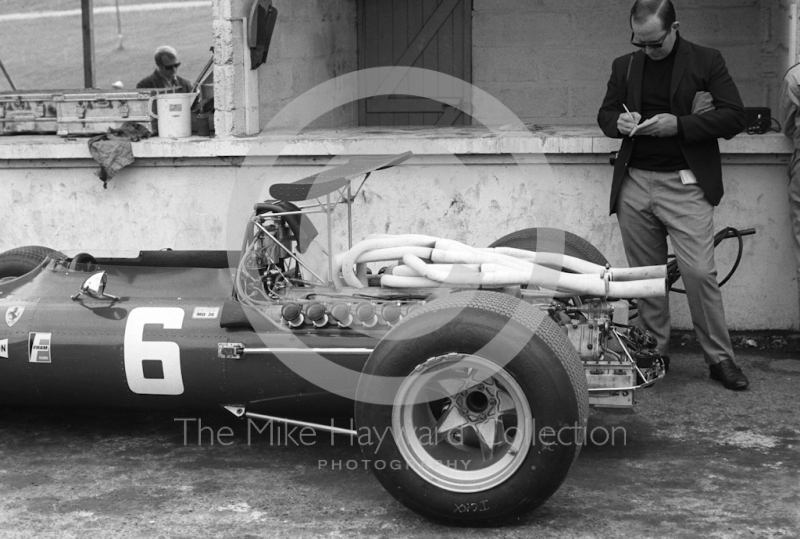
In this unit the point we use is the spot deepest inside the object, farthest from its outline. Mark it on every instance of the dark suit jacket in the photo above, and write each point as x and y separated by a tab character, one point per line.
696	69
154	80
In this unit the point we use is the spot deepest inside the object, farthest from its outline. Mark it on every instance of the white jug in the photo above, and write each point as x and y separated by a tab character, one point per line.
174	114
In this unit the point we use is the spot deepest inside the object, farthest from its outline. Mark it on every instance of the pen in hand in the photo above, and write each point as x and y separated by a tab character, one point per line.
632	119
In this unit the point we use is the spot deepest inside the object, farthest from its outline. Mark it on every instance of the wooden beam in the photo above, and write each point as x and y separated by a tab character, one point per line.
87	17
418	45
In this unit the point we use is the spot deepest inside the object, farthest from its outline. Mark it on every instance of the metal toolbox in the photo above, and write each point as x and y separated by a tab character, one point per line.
28	112
85	113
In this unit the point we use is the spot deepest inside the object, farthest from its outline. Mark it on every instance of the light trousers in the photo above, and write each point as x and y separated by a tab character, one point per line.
654	205
794	213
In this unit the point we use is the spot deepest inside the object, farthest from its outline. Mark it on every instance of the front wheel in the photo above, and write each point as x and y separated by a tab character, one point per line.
476	406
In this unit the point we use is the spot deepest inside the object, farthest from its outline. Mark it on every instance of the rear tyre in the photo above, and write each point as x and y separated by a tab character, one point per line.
552	240
456	398
19	261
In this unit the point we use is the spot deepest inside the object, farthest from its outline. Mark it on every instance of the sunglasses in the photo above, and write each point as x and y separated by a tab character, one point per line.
173	66
653	45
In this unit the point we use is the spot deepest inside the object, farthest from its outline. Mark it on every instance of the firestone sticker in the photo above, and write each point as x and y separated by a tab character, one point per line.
39	347
13	314
205	312
4	348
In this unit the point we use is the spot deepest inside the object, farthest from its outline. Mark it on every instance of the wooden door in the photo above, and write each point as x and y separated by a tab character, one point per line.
430	34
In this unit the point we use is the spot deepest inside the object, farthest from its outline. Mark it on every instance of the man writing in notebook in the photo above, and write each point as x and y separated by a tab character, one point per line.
669	102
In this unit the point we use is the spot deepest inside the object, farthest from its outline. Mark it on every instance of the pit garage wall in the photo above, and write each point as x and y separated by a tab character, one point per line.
549	60
462	184
314	41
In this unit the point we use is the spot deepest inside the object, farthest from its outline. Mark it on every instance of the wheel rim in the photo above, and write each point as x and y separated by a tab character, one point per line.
462	423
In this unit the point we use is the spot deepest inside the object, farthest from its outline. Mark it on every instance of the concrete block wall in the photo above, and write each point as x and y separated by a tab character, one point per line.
549	60
314	41
780	44
229	83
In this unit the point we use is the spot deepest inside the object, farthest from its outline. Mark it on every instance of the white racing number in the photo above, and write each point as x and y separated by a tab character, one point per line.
137	351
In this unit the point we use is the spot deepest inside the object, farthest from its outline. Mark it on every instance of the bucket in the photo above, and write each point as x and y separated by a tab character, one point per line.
173	114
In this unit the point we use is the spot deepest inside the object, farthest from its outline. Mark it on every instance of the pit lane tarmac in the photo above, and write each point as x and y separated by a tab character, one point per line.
693	460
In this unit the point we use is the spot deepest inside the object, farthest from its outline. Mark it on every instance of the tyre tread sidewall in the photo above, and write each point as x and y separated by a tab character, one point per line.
21	260
559	378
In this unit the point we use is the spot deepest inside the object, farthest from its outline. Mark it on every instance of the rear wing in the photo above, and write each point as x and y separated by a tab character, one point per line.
335	178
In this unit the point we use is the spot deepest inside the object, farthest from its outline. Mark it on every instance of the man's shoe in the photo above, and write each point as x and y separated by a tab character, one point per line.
729	375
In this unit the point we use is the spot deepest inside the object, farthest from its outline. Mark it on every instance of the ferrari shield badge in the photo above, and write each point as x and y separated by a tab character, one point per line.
13	314
39	347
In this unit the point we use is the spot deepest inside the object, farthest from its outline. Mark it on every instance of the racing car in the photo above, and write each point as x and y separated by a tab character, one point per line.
468	371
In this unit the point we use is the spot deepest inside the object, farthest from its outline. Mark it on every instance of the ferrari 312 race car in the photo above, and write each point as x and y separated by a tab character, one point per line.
474	367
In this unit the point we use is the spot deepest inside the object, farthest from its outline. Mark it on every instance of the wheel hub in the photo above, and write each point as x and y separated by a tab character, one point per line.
478	414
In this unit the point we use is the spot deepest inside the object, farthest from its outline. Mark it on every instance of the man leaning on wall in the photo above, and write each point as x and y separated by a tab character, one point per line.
166	73
669	102
790	120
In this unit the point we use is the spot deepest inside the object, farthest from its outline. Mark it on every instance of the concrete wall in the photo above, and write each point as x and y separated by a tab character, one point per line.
549	60
464	187
313	42
786	33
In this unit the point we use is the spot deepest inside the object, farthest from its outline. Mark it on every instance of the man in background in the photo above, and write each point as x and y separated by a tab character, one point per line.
166	74
790	120
668	176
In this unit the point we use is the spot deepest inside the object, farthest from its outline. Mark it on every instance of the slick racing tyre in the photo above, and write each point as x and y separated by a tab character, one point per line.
17	262
471	411
552	240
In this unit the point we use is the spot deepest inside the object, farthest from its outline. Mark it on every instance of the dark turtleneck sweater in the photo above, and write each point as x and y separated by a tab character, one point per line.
662	154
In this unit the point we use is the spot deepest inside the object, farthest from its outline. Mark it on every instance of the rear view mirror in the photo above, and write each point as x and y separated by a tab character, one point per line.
95	287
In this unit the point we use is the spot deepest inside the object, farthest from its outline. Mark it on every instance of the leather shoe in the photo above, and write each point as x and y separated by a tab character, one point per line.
729	375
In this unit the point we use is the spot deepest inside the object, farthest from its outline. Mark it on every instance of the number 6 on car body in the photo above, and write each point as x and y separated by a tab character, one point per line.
137	351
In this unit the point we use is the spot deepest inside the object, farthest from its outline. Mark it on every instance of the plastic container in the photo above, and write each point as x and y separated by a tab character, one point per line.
174	114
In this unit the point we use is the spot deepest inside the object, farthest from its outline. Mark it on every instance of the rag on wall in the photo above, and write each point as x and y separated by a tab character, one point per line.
113	150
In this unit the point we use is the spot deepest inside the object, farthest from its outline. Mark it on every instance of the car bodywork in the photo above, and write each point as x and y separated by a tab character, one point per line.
259	331
161	345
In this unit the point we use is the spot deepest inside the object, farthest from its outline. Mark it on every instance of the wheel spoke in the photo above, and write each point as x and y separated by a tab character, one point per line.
487	433
450	420
451	386
504	401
